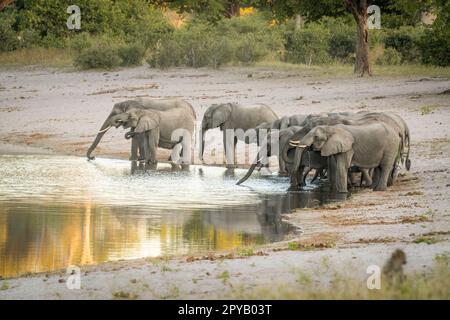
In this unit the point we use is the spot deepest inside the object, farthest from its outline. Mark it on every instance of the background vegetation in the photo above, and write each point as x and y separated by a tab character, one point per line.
214	33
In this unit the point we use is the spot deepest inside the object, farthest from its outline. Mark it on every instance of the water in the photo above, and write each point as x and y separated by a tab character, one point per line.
57	211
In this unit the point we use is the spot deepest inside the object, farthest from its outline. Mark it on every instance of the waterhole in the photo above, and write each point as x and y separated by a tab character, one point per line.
57	211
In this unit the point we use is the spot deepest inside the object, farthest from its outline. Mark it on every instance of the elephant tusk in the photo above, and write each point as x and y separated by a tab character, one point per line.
104	130
302	146
295	141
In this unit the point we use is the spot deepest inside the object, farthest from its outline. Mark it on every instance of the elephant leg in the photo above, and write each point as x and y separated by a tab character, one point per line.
228	148
151	145
350	175
305	175
282	167
184	165
134	149
332	172
341	173
393	175
384	177
141	147
365	177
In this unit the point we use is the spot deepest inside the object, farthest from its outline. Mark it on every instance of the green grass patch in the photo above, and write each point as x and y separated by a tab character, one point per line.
224	276
426	239
427	109
4	286
125	295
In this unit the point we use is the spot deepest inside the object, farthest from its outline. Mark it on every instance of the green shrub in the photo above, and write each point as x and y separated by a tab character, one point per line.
201	44
435	46
249	49
8	38
131	54
100	56
308	45
389	57
79	42
341	46
406	41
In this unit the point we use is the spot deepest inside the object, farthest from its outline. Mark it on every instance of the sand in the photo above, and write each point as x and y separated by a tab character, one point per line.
57	111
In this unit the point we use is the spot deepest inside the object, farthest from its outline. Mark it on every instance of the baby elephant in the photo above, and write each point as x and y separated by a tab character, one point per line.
144	126
148	127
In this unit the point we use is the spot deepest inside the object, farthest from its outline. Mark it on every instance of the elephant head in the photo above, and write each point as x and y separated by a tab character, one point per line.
139	120
118	108
214	117
329	140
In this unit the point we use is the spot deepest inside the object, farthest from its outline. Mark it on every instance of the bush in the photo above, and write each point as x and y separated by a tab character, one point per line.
406	41
8	38
249	49
341	46
100	56
136	20
308	45
435	47
131	54
389	57
200	44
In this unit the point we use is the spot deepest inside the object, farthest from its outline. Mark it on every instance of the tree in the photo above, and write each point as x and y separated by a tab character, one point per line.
358	9
213	10
4	3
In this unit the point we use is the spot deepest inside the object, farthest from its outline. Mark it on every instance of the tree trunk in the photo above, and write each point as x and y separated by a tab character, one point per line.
358	8
235	8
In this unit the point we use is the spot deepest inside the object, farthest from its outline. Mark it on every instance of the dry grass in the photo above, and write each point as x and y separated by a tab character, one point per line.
434	284
61	58
338	70
46	57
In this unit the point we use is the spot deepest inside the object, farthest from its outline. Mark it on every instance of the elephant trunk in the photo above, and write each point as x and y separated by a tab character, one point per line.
297	161
105	127
249	173
285	151
203	143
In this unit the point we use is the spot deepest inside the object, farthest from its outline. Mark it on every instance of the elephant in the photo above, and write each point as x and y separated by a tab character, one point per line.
371	145
234	116
184	111
310	160
360	118
265	151
286	122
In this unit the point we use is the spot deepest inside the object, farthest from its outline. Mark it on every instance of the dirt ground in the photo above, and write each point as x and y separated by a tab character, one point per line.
51	111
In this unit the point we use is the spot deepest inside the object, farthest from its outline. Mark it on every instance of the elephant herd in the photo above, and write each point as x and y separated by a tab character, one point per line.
337	146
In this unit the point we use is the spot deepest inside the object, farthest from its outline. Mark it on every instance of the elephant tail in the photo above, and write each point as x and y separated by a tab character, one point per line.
408	161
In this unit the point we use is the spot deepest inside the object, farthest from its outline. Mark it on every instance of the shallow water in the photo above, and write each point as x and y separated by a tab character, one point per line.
57	211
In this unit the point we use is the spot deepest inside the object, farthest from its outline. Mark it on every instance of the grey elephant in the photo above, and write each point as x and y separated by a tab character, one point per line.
360	118
234	116
373	145
311	160
146	127
265	151
284	122
183	114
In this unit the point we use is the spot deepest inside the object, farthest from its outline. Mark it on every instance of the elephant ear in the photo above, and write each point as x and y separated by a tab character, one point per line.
284	123
149	121
221	114
340	141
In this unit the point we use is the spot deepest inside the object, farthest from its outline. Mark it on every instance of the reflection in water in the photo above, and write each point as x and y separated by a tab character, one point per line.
58	211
